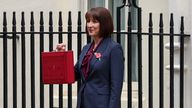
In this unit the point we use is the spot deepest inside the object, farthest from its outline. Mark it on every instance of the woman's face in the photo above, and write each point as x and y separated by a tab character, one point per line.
93	27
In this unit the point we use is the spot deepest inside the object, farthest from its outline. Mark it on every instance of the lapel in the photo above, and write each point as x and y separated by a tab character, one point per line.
93	61
101	49
84	51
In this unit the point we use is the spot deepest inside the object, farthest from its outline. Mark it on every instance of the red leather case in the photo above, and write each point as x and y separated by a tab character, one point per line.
58	67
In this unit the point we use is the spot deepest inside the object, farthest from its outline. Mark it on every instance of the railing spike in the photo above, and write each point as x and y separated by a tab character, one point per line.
60	40
129	19
41	18
22	19
69	18
60	19
50	18
79	18
171	20
14	18
182	24
150	20
32	19
4	19
161	20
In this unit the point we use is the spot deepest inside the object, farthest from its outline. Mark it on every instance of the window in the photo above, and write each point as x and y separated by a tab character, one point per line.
96	3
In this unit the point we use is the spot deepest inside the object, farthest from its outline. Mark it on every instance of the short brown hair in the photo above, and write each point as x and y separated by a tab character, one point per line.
104	17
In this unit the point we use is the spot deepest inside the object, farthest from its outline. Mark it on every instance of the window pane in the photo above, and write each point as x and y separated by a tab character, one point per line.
113	4
96	3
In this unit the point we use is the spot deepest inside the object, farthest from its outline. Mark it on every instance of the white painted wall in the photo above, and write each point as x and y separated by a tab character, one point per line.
179	8
155	7
183	8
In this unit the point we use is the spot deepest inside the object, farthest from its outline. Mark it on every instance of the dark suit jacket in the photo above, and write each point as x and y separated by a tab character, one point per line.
102	88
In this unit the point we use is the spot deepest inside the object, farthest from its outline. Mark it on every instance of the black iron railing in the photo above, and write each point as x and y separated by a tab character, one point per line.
21	35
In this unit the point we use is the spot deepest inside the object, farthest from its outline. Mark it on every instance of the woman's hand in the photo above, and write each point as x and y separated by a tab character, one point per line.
61	47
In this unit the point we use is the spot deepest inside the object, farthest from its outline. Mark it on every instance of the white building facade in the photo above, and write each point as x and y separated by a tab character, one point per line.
178	7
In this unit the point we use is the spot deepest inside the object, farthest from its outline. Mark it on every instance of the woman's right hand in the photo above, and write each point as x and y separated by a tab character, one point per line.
61	47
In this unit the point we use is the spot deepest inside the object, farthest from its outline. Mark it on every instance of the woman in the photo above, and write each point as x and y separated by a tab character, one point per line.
101	63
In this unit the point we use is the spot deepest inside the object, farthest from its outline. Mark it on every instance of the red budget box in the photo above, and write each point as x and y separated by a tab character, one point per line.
58	67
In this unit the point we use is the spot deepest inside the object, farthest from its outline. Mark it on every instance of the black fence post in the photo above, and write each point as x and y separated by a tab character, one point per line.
41	50
150	65
23	58
139	36
32	57
161	63
5	74
118	24
69	48
60	41
14	48
129	64
79	45
50	49
182	63
171	62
